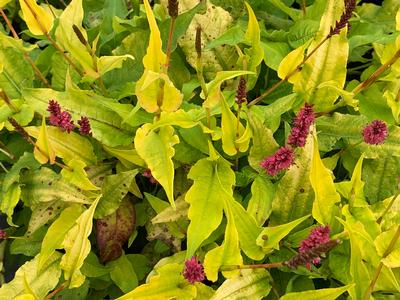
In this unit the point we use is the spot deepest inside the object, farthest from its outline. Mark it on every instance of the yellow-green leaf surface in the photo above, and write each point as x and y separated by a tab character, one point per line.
255	54
108	63
4	3
76	175
68	146
128	157
233	141
248	231
353	190
57	231
156	149
73	15
44	151
153	86
382	242
206	198
38	20
9	200
271	236
167	284
290	62
325	192
251	284
260	203
327	64
28	276
77	247
214	96
322	294
227	254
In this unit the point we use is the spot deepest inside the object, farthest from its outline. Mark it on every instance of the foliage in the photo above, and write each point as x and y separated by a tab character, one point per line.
200	139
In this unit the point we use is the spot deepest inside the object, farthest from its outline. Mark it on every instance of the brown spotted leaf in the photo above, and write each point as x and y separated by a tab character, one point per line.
114	230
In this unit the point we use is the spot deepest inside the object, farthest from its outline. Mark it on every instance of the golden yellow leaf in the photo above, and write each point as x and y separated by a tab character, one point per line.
38	20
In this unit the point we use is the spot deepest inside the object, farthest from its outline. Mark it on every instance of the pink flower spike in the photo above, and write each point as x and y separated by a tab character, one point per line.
375	133
193	271
304	119
65	122
281	160
84	126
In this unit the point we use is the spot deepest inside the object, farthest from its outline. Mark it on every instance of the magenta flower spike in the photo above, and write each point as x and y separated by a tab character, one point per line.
375	133
194	270
280	160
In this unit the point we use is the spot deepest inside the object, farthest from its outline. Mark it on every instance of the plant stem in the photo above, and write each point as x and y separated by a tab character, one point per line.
8	101
6	151
374	76
290	74
303	7
388	208
255	266
169	43
55	291
389	249
26	56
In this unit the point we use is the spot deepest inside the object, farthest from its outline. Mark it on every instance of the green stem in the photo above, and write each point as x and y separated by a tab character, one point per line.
388	208
389	249
255	266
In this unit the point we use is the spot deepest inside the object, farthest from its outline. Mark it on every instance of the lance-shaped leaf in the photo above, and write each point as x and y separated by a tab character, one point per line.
57	231
251	284
114	189
77	176
214	95
44	150
4	3
38	20
154	90
68	146
228	253
123	274
206	198
9	200
45	185
29	277
255	54
114	230
233	141
271	236
322	294
294	195
167	284
382	242
325	192
353	190
156	149
77	247
327	64
260	203
290	63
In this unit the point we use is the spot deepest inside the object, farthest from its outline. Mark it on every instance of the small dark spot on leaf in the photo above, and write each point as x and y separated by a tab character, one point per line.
301	190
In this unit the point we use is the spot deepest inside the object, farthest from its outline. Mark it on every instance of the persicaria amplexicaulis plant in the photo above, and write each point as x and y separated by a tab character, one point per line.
59	118
193	271
375	133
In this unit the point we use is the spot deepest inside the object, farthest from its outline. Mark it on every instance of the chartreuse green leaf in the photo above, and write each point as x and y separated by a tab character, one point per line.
29	279
290	62
271	236
44	151
228	253
56	233
248	231
167	284
154	90
206	198
68	146
77	176
38	20
4	3
123	274
9	200
327	65
382	242
156	149
251	284
77	247
325	192
232	140
353	190
264	143
114	189
128	157
255	54
260	203
294	195
321	294
214	96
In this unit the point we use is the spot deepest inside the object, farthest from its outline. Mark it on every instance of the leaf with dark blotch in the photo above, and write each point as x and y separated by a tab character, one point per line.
114	230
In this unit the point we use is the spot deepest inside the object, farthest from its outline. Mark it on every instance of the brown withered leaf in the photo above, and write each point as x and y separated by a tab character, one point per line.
114	230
